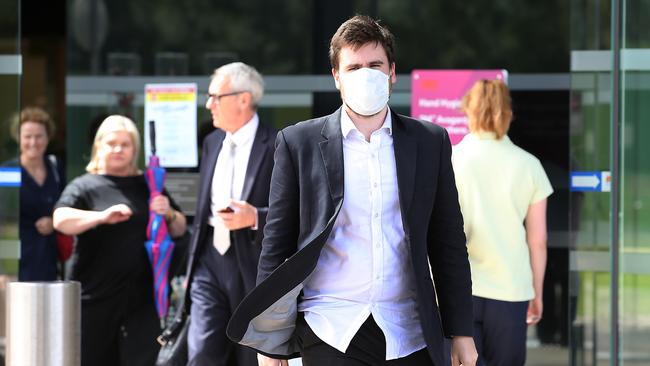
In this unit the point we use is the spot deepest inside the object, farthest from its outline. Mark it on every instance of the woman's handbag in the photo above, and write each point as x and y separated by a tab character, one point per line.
64	243
173	341
64	246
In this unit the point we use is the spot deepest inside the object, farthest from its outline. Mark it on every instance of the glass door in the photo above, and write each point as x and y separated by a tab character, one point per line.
610	155
10	77
634	278
590	189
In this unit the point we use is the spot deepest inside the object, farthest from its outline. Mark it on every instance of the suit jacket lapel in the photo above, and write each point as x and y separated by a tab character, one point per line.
210	164
255	160
332	153
405	148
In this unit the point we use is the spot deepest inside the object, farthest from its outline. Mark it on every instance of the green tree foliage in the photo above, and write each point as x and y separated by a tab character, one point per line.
277	35
521	36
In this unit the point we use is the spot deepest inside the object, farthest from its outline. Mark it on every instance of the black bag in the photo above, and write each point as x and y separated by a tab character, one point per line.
173	342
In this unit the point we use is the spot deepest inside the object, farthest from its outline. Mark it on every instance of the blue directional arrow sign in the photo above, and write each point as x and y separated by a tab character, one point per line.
599	181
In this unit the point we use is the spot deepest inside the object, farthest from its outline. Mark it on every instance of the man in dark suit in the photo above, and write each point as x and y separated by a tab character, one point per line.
363	213
236	165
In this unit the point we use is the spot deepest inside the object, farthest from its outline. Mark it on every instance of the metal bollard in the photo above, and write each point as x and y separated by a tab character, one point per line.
43	324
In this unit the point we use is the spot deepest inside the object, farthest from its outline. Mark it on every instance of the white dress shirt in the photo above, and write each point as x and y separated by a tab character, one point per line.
364	267
243	139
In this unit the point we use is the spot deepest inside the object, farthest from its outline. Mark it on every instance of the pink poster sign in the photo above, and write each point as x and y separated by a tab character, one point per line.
436	96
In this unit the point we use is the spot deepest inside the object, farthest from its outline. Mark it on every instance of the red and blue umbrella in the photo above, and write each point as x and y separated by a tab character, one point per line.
160	245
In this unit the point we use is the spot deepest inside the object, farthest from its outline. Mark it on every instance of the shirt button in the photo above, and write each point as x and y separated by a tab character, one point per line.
375	185
376	215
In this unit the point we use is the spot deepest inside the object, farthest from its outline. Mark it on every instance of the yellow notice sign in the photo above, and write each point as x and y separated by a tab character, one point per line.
172	107
170	95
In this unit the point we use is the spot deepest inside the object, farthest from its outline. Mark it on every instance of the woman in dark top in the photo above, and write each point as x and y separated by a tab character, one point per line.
40	188
108	211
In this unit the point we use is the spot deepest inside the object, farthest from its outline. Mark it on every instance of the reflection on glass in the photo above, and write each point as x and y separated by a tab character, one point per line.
634	318
9	106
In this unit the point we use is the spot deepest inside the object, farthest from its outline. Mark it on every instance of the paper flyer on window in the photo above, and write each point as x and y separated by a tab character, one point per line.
173	108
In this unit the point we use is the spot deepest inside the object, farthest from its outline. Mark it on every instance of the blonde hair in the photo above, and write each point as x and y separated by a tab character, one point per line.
114	123
488	107
32	114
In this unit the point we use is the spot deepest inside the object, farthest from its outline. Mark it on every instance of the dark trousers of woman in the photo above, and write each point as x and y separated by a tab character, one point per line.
500	332
116	334
367	348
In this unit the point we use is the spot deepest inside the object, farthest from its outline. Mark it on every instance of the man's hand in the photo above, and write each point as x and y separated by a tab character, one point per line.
268	361
535	309
244	215
115	214
44	225
463	351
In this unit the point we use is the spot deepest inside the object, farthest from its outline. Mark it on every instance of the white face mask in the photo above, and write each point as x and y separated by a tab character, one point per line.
365	90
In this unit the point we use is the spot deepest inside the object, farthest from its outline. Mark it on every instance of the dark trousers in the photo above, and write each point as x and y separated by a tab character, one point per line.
113	332
216	290
500	332
368	348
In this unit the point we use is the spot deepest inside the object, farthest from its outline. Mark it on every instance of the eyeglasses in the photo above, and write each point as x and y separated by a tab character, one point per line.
217	97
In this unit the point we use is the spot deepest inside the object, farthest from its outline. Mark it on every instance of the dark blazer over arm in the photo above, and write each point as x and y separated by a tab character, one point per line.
305	198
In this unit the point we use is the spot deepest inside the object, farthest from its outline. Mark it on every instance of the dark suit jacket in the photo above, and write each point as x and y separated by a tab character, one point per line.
245	242
306	196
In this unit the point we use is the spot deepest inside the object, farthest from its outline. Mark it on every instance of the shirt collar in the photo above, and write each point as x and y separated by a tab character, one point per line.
245	133
347	125
485	135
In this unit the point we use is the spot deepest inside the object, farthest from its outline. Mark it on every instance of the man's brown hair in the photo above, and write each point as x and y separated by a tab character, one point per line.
359	31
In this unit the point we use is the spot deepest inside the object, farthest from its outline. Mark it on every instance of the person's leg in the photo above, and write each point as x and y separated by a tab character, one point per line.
100	328
231	278
367	348
141	327
245	356
504	342
210	311
417	358
479	306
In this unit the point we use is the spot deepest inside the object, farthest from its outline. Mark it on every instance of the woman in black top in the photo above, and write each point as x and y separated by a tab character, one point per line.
108	211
